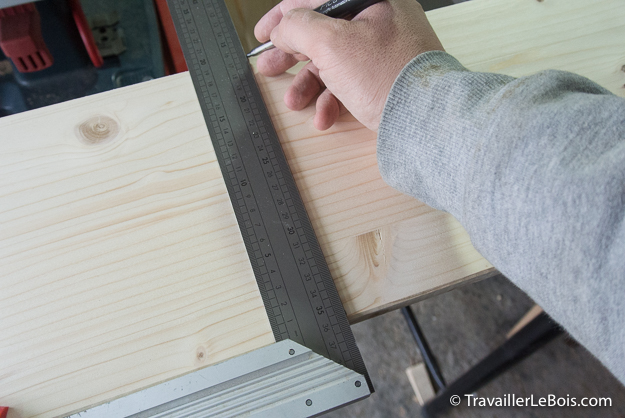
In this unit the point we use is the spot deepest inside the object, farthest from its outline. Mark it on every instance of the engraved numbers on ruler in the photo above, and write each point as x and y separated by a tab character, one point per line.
226	147
257	237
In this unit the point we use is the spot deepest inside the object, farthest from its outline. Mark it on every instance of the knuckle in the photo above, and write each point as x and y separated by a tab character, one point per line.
287	5
340	35
291	15
328	33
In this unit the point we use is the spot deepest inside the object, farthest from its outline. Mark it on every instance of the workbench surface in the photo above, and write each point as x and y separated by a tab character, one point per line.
122	263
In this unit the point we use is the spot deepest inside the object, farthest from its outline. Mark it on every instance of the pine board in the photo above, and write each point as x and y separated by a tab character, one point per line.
122	265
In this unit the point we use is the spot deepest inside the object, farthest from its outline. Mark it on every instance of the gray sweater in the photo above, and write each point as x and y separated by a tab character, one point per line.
534	169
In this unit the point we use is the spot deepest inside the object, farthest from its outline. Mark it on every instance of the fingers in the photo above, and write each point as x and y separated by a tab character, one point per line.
274	62
328	111
265	25
306	32
305	86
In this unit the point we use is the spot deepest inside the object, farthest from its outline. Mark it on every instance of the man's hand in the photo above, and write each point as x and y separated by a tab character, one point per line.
352	62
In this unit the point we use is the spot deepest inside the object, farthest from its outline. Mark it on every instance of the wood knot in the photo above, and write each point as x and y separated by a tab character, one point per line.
201	356
98	129
372	247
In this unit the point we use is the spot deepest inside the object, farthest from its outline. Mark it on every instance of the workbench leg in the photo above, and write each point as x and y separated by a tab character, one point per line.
524	342
436	377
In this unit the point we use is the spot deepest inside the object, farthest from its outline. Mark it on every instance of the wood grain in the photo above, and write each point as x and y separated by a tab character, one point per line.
122	265
522	37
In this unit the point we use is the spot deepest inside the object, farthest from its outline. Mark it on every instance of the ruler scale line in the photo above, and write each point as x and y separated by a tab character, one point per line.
277	198
270	248
296	287
228	161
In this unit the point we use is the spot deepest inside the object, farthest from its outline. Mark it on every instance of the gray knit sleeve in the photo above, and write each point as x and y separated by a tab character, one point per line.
534	169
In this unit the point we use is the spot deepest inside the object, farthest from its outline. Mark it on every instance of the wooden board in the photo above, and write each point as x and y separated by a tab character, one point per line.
122	265
521	37
420	382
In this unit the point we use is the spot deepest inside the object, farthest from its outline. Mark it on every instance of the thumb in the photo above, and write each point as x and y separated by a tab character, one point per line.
303	31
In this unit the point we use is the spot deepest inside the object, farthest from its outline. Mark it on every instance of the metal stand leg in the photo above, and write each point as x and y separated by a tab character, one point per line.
426	353
528	339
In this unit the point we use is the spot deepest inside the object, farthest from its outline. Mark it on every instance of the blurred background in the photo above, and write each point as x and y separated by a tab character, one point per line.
57	50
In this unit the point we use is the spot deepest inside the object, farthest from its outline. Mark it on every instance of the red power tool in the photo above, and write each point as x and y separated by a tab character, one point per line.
21	40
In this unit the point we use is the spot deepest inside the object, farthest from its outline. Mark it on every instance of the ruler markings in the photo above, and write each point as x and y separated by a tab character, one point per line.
298	292
245	209
308	254
268	173
271	250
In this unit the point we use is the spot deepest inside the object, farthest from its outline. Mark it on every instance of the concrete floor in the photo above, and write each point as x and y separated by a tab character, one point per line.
463	326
